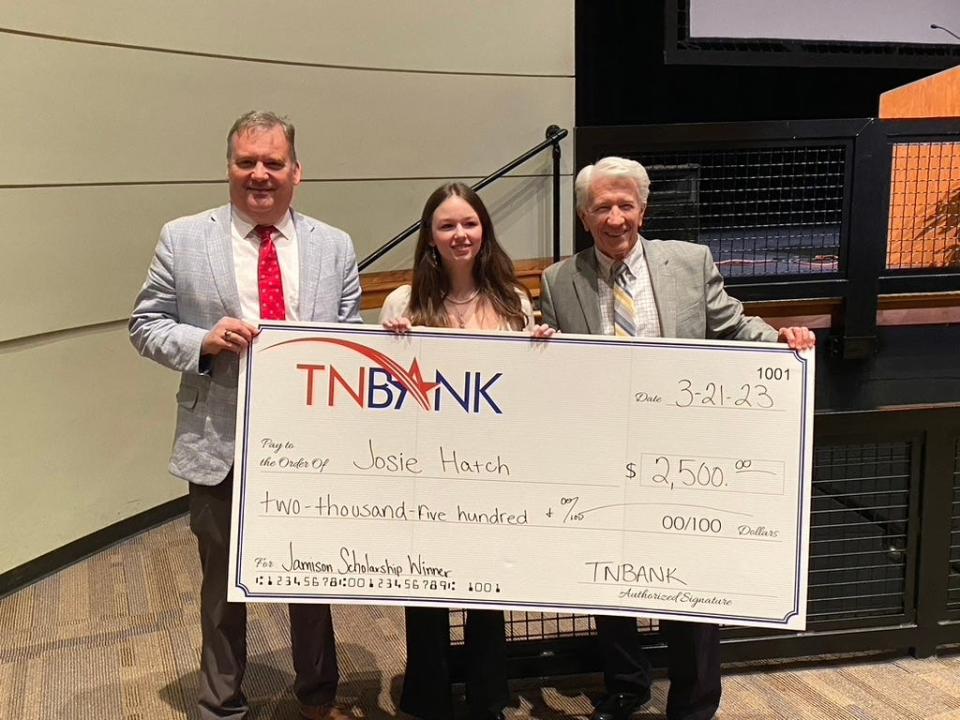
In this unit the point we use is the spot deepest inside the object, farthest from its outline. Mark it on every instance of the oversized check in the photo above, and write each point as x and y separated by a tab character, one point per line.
665	478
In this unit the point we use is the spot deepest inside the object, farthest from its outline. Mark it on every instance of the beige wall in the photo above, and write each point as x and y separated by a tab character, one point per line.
118	123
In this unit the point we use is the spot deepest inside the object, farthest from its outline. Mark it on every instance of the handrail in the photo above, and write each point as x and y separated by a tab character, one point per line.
554	135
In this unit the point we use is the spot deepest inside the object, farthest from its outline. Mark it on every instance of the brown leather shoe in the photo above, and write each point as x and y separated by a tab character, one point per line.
330	711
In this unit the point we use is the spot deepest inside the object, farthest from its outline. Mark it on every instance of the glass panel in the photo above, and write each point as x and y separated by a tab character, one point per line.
762	211
858	531
953	581
924	228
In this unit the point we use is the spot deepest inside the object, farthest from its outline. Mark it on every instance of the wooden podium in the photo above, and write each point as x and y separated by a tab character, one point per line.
937	96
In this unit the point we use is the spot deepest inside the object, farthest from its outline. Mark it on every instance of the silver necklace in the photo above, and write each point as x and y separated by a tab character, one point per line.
469	298
462	316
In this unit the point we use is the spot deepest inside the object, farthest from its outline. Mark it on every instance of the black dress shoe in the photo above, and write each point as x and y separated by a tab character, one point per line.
488	716
495	716
619	706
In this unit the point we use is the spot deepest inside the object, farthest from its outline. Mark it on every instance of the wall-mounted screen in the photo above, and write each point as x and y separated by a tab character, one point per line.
833	33
876	21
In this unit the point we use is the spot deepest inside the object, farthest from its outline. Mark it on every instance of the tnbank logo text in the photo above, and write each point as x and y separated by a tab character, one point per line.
384	384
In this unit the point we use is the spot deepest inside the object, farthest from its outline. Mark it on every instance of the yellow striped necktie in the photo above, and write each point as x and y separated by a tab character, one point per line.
624	308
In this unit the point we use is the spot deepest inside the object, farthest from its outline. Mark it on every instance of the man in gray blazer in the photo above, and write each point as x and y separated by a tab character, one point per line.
628	285
214	275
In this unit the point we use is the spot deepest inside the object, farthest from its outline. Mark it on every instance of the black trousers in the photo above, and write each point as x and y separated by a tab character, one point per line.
223	657
693	661
426	682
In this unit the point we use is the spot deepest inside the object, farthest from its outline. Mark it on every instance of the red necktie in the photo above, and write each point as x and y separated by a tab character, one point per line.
268	276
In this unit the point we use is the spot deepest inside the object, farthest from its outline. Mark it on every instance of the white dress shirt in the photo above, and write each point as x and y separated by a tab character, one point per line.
648	320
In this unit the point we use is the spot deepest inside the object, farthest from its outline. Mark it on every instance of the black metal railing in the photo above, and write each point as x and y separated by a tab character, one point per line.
554	135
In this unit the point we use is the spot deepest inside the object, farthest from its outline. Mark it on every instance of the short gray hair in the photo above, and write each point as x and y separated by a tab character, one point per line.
262	120
611	167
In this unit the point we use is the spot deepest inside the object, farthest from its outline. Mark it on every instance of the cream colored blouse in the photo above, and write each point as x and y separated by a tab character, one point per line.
396	303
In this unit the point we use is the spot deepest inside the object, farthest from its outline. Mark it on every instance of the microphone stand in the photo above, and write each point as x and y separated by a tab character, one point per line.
934	26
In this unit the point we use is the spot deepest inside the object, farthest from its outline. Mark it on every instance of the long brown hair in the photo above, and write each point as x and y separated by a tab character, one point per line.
492	269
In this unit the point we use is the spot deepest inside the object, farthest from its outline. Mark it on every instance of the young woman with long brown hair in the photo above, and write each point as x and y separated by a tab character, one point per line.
462	278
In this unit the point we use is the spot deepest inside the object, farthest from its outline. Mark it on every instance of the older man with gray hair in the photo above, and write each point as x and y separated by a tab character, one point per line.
213	277
627	285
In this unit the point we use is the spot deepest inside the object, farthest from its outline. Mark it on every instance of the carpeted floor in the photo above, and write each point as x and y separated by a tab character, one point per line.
117	636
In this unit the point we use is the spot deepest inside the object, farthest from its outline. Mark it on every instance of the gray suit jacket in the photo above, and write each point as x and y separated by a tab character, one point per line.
190	285
687	288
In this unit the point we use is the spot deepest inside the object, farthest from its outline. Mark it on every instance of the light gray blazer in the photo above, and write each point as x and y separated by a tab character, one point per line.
687	288
190	285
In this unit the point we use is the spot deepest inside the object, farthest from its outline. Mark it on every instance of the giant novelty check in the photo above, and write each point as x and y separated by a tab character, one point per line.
664	478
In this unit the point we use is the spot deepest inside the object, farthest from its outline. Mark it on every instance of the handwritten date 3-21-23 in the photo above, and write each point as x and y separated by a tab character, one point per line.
757	393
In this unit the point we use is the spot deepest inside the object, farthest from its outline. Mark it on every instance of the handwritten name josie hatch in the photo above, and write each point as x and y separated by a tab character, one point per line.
450	462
